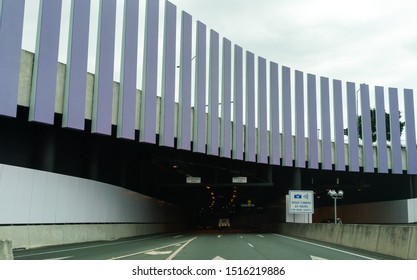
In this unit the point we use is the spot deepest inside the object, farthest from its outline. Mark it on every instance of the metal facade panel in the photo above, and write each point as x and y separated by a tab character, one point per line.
300	159
225	123
237	148
368	160
352	127
338	126
42	101
381	131
213	97
275	141
150	74
313	152
76	71
103	84
167	131
395	132
11	27
199	139
184	119
410	131
127	95
250	143
287	152
262	112
326	143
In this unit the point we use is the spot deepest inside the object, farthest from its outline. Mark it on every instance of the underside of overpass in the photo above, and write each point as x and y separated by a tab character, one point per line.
161	172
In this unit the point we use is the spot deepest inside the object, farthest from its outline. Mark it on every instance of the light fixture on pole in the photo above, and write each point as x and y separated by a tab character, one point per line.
335	195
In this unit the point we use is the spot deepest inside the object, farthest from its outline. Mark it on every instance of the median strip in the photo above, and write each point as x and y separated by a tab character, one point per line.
154	249
180	248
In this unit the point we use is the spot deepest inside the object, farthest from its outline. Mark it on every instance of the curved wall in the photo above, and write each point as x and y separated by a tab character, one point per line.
258	131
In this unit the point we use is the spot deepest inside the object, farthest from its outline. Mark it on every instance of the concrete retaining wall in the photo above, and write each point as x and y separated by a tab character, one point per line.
392	240
6	252
32	236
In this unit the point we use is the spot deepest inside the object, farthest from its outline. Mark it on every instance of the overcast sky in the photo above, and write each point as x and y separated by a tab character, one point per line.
371	41
364	41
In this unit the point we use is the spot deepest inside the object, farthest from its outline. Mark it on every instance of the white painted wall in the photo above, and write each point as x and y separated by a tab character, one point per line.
29	196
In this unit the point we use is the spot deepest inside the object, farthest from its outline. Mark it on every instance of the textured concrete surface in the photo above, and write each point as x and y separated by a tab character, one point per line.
399	241
6	252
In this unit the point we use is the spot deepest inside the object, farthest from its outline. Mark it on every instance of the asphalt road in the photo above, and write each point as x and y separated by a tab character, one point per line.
200	246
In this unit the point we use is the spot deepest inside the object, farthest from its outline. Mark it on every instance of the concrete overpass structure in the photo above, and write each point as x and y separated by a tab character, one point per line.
84	157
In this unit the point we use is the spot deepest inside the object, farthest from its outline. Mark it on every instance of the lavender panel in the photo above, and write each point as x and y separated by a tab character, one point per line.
326	143
167	133
286	117
262	113
225	122
76	73
368	160
313	156
127	95
338	126
150	74
103	84
396	165
275	143
237	108
300	160
199	139
184	120
410	133
42	101
213	125
381	130
250	143
352	127
11	27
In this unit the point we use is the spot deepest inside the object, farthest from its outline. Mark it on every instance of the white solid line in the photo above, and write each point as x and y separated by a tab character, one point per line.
261	236
327	247
251	245
91	246
180	248
218	258
61	258
155	253
178	236
315	258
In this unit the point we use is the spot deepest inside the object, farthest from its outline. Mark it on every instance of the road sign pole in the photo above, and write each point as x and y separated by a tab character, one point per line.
335	212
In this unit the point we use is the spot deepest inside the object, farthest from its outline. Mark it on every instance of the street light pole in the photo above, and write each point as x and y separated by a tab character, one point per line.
335	195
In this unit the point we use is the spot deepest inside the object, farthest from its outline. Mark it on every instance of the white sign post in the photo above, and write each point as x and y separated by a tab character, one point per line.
301	202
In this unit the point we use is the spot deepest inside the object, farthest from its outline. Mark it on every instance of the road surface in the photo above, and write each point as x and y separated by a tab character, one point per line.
200	246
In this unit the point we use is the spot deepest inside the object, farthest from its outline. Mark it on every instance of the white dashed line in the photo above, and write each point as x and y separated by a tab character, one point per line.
251	245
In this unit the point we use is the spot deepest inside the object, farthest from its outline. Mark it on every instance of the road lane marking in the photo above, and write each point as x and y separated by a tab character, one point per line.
218	236
323	246
241	236
314	258
218	258
143	252
156	253
180	248
261	236
251	245
178	236
91	246
61	258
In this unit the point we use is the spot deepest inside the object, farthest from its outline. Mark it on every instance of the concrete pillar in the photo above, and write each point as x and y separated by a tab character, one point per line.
296	180
6	252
